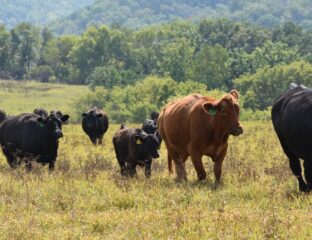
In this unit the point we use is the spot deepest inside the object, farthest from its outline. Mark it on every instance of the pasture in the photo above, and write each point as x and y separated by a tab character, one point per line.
87	198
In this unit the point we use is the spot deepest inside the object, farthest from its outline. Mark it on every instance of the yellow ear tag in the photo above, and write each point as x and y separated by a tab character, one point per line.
138	141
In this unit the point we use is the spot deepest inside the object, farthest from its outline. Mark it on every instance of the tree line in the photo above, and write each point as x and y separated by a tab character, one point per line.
219	54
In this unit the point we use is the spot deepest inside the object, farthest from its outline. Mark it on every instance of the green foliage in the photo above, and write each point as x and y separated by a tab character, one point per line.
36	11
211	66
266	84
142	13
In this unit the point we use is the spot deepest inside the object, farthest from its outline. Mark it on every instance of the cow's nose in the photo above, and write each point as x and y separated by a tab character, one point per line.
156	155
236	131
58	134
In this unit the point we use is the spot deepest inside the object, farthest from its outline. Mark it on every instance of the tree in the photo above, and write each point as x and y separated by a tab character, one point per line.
211	66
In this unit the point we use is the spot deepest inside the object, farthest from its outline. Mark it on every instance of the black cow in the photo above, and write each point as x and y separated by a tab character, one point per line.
150	126
58	113
135	147
41	112
292	118
2	116
95	124
29	137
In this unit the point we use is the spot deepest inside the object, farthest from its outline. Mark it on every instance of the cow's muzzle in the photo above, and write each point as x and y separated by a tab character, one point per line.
236	131
155	155
58	134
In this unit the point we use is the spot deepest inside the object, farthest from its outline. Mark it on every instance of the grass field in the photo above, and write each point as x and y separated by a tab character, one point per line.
25	96
87	198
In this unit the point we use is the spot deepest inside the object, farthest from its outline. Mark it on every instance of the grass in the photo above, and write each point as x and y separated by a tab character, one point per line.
25	96
87	198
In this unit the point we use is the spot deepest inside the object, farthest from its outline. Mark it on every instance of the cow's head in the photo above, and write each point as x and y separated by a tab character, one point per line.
91	117
59	114
53	125
149	142
149	126
227	111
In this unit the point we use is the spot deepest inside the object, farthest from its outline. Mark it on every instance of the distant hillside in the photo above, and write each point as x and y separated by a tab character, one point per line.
38	12
139	13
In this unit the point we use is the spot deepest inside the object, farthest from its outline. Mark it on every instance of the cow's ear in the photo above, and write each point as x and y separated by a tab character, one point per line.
99	115
234	93
138	139
83	114
64	118
209	108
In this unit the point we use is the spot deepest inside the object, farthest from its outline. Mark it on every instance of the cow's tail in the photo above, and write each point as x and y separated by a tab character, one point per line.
170	164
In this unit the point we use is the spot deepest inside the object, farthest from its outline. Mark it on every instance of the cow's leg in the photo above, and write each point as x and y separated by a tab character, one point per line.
10	158
51	165
132	169
198	165
100	138
308	173
294	164
217	168
123	167
179	165
93	140
148	164
28	165
295	167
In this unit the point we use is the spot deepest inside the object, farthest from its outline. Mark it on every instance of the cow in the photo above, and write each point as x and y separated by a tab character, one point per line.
135	147
198	125
2	115
29	137
291	118
41	112
58	113
150	126
95	124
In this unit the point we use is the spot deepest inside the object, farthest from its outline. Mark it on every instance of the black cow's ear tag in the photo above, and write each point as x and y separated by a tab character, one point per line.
138	141
41	124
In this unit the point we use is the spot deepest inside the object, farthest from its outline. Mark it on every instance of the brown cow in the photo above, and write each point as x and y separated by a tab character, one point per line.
197	125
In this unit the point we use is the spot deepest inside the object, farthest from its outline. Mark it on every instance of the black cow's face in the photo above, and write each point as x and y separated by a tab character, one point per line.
58	114
53	125
150	143
91	117
149	126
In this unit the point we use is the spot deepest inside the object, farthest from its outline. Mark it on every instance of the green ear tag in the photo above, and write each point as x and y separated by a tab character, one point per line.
212	111
138	141
41	124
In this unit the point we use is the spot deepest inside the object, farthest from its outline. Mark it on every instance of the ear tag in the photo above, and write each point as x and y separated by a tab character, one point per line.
212	111
138	141
41	124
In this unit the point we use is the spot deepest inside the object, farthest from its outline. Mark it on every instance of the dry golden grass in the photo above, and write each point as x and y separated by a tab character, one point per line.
86	197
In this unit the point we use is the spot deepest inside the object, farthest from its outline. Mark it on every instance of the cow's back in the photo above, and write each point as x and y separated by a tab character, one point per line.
175	119
20	131
292	117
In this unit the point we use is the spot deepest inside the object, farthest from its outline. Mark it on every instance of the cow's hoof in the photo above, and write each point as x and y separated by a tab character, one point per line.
304	188
201	176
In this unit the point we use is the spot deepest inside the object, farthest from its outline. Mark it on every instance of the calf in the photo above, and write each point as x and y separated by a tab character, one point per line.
95	124
150	126
28	137
135	147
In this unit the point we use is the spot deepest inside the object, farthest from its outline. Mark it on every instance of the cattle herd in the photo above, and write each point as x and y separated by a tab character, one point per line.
193	126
